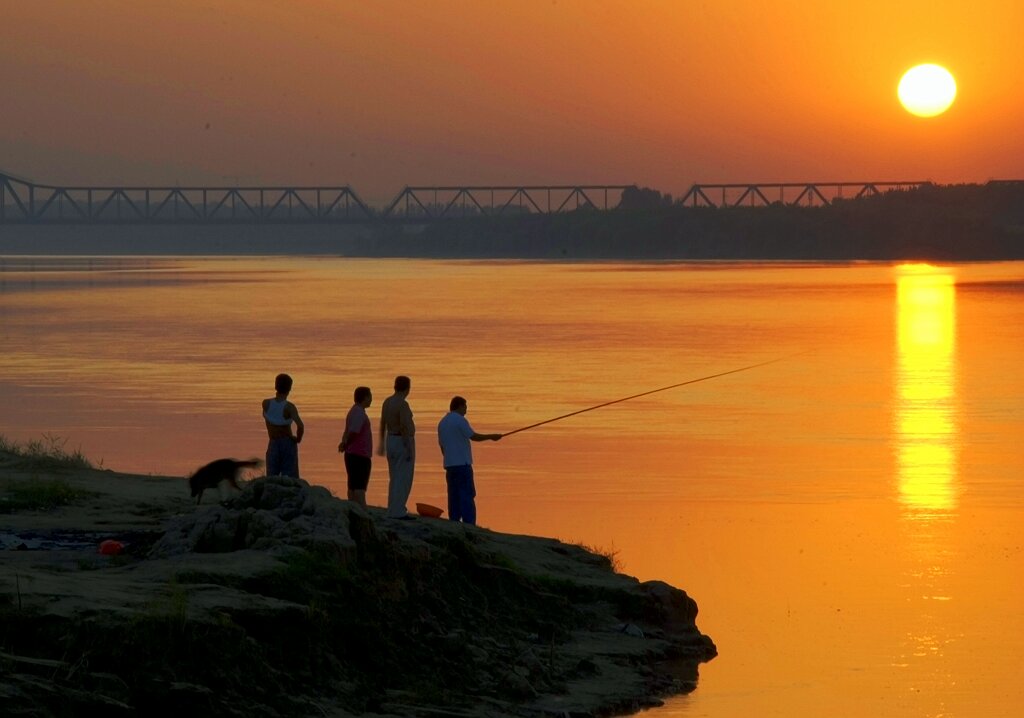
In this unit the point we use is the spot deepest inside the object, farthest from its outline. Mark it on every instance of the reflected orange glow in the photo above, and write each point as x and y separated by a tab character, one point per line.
925	420
835	580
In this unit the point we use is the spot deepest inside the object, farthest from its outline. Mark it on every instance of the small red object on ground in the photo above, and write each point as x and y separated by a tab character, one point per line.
428	510
110	547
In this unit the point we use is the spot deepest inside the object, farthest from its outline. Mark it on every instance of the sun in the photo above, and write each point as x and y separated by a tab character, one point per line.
927	90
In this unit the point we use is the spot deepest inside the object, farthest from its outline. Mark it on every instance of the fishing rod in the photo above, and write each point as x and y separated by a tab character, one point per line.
653	391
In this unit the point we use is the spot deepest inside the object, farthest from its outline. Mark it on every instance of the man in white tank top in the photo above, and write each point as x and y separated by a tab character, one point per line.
279	415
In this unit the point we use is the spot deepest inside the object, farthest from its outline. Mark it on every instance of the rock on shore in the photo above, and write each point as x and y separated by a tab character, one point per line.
285	600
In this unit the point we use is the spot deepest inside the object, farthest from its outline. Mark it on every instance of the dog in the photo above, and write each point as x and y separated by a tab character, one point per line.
211	475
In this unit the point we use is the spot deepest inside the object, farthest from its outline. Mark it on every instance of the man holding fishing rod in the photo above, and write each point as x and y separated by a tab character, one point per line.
454	434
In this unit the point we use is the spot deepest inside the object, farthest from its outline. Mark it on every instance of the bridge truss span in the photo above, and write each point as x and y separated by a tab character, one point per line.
25	202
429	202
806	194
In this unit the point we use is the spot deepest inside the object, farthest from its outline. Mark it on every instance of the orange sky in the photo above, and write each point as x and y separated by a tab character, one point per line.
384	93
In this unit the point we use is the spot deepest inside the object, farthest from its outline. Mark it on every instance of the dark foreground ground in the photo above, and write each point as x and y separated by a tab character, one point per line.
285	601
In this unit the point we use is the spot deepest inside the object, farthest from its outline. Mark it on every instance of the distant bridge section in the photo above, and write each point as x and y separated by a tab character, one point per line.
806	194
442	202
25	202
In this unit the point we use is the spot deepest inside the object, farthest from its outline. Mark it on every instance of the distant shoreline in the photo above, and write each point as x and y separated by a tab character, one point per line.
949	223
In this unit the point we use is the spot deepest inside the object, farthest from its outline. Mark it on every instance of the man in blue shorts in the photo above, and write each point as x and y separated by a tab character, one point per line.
454	434
279	415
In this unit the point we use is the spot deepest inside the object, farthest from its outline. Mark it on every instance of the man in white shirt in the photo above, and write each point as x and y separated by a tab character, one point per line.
454	434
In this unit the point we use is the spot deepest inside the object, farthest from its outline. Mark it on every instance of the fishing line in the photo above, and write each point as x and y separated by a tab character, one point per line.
654	391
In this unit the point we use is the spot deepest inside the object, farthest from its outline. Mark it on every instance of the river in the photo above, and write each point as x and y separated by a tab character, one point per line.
850	517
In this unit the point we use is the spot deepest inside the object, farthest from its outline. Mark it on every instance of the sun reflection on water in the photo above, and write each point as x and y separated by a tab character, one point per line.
925	416
926	434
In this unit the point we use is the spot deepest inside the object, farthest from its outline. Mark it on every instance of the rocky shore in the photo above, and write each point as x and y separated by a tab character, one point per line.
283	600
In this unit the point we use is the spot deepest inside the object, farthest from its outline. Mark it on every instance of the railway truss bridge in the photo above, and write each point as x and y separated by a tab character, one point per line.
23	201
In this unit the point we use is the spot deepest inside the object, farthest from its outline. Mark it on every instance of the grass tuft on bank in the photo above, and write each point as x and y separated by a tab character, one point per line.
35	457
49	452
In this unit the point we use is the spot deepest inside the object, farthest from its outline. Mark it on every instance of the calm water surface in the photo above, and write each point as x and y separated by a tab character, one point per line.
848	518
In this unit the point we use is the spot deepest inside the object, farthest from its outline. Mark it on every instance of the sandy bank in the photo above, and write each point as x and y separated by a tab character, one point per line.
287	601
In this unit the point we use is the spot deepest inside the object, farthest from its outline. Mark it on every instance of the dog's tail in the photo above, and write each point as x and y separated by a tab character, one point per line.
239	465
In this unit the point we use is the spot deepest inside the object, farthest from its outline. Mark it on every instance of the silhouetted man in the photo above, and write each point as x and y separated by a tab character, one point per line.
454	434
357	445
279	415
398	442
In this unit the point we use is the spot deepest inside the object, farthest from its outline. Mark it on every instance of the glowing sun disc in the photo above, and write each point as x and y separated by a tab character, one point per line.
927	90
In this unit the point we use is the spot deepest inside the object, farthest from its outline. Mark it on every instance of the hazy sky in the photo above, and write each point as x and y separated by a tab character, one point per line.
380	93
